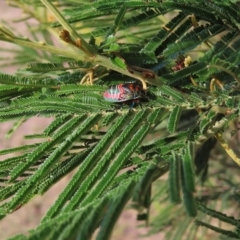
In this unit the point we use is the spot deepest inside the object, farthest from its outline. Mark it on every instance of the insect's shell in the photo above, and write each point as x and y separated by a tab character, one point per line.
124	92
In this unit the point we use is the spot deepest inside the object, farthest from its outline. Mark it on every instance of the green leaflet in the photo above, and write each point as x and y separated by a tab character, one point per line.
185	72
9	163
103	8
114	210
119	62
89	216
189	43
73	88
139	58
27	82
61	170
122	156
57	66
211	212
191	8
66	144
123	179
232	16
228	234
154	171
84	231
108	119
188	167
219	47
195	98
207	121
160	143
17	149
188	181
189	203
174	178
118	21
18	237
15	126
181	229
127	23
157	40
174	118
35	136
155	117
88	164
44	67
204	124
176	95
165	102
57	123
102	165
53	105
174	36
11	190
41	149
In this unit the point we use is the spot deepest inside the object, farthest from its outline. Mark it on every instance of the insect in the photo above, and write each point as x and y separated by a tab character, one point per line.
124	93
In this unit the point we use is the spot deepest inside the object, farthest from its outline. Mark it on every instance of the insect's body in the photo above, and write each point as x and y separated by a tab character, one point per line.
124	93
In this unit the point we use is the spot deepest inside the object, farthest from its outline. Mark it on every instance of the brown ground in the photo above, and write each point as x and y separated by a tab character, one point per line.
30	215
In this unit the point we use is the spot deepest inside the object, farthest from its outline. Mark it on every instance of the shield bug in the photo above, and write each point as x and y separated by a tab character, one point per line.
124	93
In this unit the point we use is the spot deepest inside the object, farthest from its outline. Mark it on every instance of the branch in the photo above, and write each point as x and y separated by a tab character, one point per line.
87	48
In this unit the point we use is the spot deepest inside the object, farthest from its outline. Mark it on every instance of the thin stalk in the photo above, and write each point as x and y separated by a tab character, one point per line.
24	42
88	49
224	70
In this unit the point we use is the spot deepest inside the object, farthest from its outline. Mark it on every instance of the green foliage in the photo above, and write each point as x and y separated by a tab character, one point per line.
174	176
188	66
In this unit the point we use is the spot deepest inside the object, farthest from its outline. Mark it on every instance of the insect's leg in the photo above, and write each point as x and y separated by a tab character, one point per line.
121	104
132	105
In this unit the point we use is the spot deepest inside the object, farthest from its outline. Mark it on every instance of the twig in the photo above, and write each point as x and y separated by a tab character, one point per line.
87	48
228	150
225	70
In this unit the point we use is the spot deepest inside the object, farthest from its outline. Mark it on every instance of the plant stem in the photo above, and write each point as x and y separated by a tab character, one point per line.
87	48
215	128
226	147
45	47
91	52
97	59
224	70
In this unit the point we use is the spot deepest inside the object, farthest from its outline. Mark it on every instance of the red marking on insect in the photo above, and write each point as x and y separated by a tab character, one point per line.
124	92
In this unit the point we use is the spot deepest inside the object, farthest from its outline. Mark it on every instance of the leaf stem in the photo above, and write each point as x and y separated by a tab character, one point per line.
216	127
229	151
224	70
24	42
87	48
